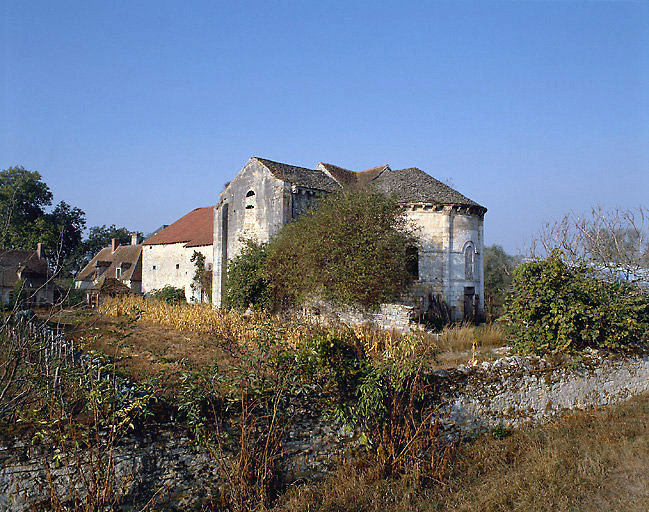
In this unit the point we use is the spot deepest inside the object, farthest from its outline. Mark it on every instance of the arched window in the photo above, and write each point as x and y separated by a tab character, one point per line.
469	256
250	200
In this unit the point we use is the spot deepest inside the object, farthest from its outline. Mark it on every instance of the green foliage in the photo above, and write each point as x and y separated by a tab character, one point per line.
23	199
351	249
498	275
202	276
246	284
559	308
169	294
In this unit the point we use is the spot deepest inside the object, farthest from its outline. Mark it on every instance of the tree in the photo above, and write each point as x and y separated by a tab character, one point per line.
24	198
202	276
498	274
614	242
353	248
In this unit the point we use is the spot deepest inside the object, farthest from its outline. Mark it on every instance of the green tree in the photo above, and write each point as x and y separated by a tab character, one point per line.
353	248
498	275
24	198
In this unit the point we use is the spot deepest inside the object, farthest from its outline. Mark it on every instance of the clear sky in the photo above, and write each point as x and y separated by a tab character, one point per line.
138	112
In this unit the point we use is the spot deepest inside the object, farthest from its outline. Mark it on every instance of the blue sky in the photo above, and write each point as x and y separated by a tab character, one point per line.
137	112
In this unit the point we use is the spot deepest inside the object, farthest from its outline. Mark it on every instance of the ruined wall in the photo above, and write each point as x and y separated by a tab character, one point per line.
170	264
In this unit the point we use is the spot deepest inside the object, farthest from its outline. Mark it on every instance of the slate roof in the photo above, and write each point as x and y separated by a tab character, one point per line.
300	176
195	228
129	254
13	261
414	185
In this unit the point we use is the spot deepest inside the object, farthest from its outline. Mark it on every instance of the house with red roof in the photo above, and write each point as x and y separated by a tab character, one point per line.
167	255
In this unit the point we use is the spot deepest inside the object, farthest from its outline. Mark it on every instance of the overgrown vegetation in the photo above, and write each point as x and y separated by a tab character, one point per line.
353	248
558	307
169	294
246	283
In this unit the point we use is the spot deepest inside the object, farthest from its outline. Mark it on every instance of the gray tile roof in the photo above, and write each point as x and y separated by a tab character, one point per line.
300	176
410	185
414	185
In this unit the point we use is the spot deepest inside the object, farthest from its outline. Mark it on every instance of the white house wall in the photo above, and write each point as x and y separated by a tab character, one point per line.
171	265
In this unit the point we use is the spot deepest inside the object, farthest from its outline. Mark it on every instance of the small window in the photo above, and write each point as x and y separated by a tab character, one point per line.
250	193
177	266
153	267
118	272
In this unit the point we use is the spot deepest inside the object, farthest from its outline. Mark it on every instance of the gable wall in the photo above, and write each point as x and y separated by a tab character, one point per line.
233	222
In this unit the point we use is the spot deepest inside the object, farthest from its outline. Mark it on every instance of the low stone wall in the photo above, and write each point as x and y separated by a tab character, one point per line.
163	464
513	391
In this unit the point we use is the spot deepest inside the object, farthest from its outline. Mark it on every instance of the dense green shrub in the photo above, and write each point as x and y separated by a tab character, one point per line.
169	294
353	248
557	307
245	283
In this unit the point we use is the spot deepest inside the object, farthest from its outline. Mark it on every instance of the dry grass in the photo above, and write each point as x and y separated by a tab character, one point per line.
587	462
230	326
460	338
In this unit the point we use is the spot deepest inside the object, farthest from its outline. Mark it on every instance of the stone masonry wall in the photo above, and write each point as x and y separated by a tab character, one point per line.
511	392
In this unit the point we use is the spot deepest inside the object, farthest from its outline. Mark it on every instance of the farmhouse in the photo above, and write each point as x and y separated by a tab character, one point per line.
31	271
166	256
114	269
265	195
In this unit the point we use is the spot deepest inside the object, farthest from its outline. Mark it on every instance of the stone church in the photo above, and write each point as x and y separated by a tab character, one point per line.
265	195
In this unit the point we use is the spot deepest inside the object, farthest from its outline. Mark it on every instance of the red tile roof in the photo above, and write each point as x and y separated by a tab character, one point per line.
196	228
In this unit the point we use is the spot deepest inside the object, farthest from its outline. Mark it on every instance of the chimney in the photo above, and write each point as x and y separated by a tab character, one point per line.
39	251
113	244
135	238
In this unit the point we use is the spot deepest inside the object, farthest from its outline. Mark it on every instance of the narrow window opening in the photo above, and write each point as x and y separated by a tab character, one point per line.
412	261
118	272
468	262
250	193
177	266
